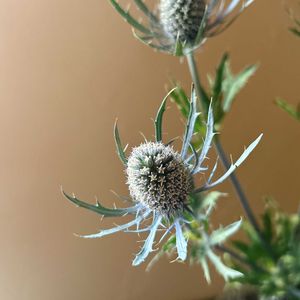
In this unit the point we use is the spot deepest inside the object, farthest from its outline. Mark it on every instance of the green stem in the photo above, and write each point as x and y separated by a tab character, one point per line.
234	180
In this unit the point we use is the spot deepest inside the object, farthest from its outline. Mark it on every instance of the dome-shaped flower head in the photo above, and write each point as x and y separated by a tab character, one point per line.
181	26
161	182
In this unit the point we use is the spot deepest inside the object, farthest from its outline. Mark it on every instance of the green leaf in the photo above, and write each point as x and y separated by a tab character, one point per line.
159	117
222	269
127	16
205	268
232	84
268	225
201	29
241	246
209	201
295	31
179	46
220	235
98	208
119	146
217	86
181	99
292	111
143	7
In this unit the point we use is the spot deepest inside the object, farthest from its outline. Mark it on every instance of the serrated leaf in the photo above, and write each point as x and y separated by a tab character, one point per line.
222	269
232	84
220	235
98	208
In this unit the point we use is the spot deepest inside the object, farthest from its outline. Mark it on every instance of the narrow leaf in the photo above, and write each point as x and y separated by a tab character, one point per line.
119	146
143	7
99	209
292	111
127	16
159	117
193	115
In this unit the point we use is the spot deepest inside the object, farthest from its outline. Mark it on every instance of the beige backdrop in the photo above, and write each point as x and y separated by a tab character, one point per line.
67	69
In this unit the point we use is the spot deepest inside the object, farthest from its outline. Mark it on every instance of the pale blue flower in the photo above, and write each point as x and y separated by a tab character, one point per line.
160	181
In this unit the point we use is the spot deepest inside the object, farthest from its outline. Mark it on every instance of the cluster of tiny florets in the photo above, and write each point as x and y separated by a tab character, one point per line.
182	18
158	178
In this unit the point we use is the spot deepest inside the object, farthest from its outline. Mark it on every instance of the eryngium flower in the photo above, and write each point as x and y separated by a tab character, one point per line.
159	178
180	26
161	181
181	19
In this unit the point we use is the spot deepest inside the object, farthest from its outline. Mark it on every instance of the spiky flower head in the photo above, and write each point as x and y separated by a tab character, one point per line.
180	26
181	19
159	178
161	185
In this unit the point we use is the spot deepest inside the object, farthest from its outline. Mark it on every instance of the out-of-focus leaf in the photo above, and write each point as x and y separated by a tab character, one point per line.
129	18
205	268
220	235
267	225
295	31
232	84
210	200
223	270
292	111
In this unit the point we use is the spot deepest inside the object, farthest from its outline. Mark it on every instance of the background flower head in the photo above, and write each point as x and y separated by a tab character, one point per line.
181	26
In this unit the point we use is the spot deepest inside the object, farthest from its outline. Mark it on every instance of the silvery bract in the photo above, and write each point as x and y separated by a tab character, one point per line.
181	26
161	181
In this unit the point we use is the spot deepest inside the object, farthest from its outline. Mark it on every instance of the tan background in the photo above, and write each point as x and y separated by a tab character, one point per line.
67	69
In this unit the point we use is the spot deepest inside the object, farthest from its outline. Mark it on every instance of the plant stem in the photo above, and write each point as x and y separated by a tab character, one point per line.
234	180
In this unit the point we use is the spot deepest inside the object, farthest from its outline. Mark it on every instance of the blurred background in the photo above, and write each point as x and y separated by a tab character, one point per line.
68	68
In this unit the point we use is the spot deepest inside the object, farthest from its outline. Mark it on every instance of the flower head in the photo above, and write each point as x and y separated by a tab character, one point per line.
161	183
159	178
180	26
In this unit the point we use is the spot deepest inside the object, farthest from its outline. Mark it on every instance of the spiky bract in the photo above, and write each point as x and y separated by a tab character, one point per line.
161	184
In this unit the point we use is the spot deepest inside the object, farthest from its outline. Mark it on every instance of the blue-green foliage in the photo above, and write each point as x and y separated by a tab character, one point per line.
291	110
277	275
222	91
